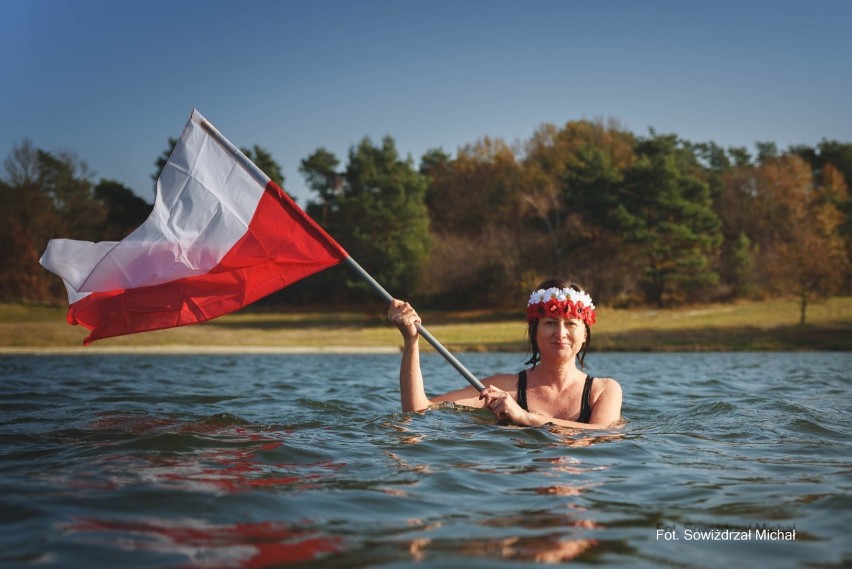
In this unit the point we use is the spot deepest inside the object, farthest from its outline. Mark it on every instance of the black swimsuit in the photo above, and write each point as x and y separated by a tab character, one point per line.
585	407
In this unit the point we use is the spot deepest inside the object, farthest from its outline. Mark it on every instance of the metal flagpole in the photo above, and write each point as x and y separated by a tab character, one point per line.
264	179
423	331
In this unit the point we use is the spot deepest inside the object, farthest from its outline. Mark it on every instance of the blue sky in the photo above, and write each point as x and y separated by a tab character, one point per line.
112	80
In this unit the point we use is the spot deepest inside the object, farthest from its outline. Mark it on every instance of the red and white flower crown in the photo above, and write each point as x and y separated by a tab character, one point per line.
561	303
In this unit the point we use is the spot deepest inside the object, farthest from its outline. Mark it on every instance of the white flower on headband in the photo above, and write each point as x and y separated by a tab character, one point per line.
561	295
561	302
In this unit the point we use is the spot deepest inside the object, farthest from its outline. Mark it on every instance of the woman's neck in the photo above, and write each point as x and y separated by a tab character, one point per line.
558	373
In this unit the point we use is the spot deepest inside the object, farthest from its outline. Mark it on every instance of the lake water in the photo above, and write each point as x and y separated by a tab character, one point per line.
145	461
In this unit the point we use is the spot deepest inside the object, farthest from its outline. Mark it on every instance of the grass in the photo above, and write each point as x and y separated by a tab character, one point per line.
751	326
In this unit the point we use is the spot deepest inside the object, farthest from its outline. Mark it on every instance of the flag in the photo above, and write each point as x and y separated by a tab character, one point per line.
221	236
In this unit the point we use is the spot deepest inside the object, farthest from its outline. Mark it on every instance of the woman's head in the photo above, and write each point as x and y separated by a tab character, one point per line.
559	298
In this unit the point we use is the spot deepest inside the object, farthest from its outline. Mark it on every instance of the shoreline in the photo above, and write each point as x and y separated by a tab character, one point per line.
212	349
192	349
764	326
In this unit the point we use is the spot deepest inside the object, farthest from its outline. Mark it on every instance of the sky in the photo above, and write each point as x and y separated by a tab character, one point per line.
113	80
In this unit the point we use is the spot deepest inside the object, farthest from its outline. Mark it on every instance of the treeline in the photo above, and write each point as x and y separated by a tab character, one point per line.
636	219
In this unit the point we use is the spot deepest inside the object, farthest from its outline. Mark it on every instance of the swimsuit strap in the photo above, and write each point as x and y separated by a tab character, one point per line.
521	397
585	406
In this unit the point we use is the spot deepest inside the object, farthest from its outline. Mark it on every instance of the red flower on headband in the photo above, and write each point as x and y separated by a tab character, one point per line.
555	308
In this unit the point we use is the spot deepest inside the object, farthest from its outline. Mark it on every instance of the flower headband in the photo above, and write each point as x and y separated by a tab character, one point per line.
561	303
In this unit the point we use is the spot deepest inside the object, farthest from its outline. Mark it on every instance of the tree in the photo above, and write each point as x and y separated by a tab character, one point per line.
835	192
830	154
740	265
125	211
766	151
434	162
375	209
740	156
665	209
473	203
320	173
715	162
45	196
477	190
559	168
806	256
601	256
838	154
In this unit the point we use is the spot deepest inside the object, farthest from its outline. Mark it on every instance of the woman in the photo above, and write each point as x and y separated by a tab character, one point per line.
553	390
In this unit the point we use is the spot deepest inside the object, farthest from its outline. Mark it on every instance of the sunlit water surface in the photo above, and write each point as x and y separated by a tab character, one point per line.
264	461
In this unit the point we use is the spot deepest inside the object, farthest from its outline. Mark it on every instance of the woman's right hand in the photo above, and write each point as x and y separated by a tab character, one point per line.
404	317
503	405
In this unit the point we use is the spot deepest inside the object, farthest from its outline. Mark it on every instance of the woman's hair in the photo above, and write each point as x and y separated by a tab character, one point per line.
532	327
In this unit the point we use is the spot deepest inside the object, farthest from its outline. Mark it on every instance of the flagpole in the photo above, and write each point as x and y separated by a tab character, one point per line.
261	177
420	328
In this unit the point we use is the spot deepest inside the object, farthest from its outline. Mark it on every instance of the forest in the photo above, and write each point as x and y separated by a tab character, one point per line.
637	220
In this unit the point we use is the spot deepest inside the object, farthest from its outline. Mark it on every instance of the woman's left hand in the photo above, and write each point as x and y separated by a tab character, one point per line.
503	405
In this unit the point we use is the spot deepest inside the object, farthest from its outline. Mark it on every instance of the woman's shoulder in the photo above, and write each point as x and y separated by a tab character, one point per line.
605	380
606	385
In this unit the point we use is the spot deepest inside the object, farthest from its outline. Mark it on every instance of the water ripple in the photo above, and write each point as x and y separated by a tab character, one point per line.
269	461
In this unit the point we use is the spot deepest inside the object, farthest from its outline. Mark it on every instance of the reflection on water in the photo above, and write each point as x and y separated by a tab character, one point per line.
268	461
542	549
203	544
216	455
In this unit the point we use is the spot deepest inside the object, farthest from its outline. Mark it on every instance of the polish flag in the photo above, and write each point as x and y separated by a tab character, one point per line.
221	236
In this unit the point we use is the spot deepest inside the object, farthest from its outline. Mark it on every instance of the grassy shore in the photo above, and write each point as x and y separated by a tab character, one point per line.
744	326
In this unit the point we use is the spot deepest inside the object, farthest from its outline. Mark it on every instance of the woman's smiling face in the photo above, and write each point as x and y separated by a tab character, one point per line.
560	336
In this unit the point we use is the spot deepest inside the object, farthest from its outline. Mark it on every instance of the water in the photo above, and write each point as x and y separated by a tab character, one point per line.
265	461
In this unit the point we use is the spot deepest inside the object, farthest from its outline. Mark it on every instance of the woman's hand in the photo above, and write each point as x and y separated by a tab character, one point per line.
404	317
503	405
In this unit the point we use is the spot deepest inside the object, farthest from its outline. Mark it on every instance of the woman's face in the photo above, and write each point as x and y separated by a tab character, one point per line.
560	337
